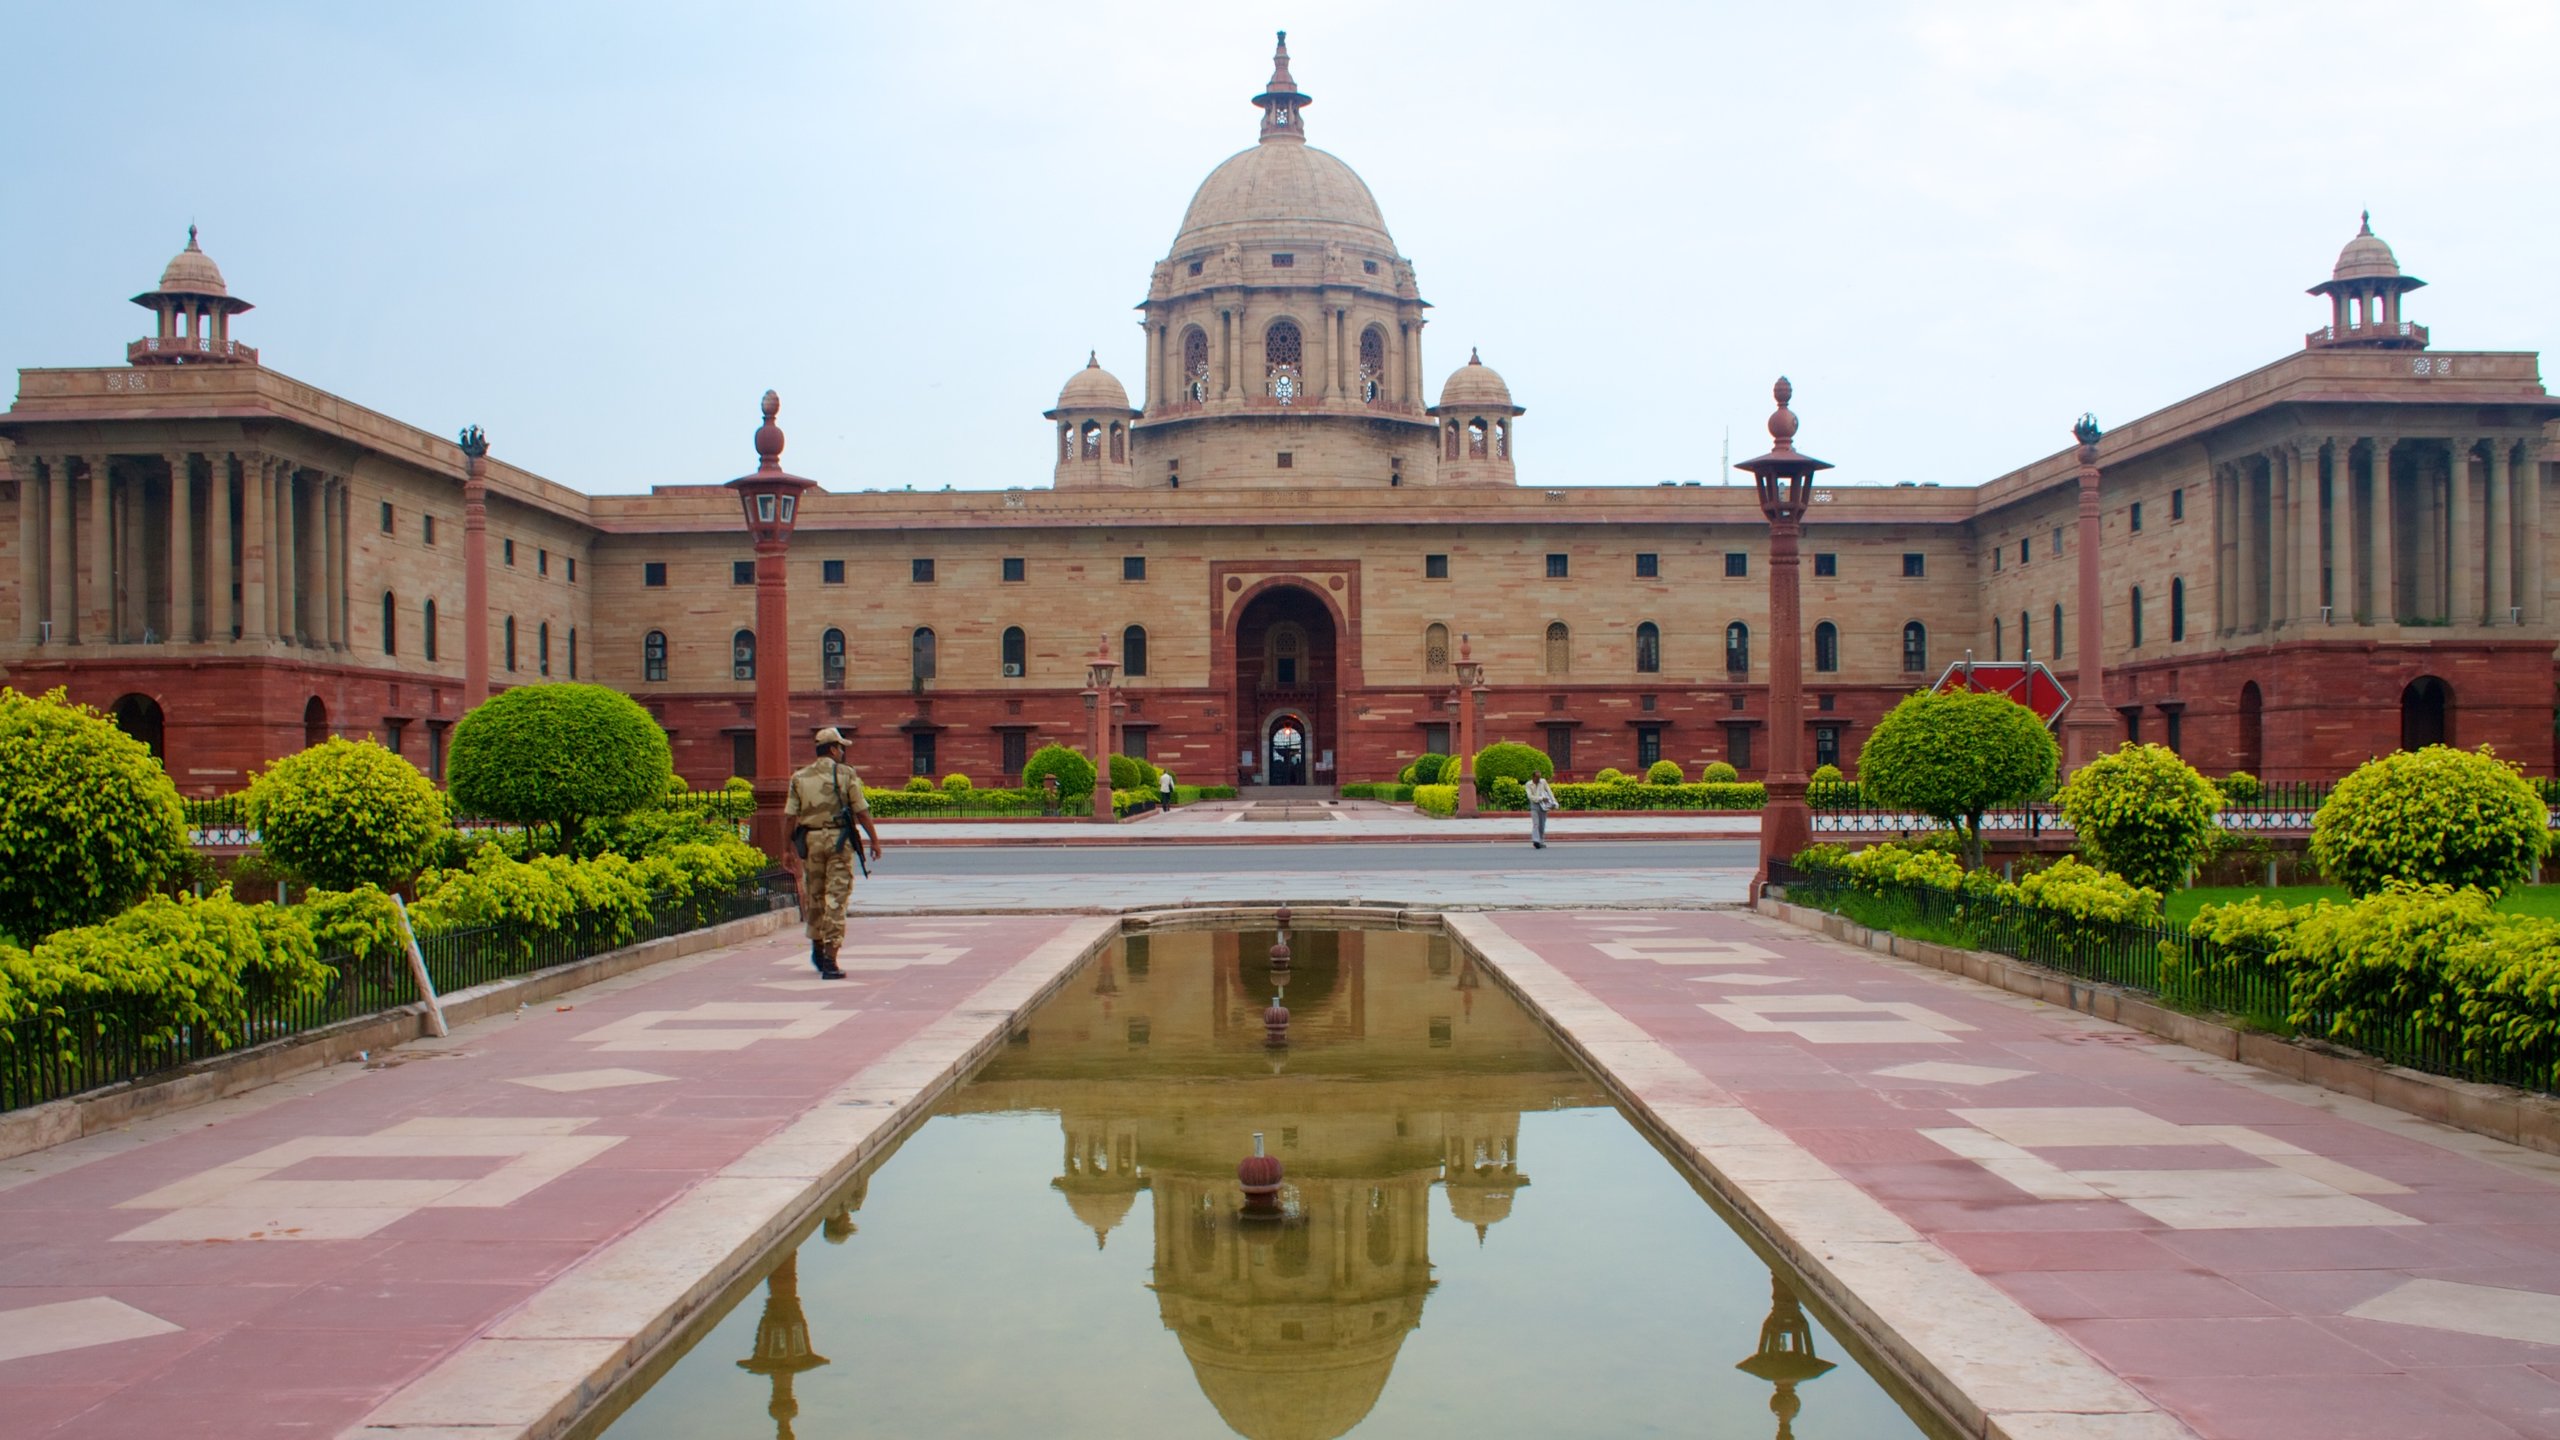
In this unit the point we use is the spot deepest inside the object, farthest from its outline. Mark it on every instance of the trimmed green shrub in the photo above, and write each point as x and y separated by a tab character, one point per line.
2086	893
1699	796
2143	813
2429	817
558	755
1824	775
1513	759
1449	768
1130	773
1074	772
1662	772
2241	788
1507	793
1399	792
734	800
956	784
1717	772
921	785
1423	770
1185	794
346	813
1610	775
174	962
88	819
1951	755
1436	799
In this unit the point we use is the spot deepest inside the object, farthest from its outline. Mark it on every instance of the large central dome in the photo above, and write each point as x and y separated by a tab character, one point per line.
1292	187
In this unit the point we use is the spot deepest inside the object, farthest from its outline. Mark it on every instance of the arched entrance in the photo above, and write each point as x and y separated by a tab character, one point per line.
2253	728
139	716
2426	713
1286	644
315	723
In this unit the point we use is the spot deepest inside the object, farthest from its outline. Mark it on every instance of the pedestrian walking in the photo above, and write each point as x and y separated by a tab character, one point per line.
824	807
1164	789
1542	798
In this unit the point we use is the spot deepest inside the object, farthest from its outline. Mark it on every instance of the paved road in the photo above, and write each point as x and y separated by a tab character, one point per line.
1053	859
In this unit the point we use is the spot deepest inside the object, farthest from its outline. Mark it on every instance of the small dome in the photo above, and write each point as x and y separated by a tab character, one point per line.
193	272
1476	386
2366	257
1093	388
1292	192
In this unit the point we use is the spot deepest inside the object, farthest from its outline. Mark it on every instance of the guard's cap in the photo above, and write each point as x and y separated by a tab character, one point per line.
830	736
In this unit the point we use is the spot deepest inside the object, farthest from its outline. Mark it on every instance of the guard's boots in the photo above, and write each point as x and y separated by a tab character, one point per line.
827	964
819	957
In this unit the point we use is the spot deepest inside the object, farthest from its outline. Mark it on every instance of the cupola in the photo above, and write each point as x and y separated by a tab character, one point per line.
194	309
1478	426
2364	299
1092	419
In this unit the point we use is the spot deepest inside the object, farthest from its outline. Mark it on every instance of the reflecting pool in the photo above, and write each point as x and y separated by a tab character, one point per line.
1468	1238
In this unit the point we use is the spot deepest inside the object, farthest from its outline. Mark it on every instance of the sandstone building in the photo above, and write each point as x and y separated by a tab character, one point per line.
1286	538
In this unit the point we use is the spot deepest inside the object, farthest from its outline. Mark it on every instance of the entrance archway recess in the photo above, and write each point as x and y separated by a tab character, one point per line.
1284	751
2253	728
1286	646
2426	713
315	723
139	716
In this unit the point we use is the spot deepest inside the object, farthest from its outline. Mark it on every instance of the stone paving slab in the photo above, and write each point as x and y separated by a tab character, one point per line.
1213	822
466	1228
2083	1231
888	892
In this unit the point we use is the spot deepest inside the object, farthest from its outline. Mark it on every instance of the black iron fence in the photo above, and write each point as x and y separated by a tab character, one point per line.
65	1050
2162	959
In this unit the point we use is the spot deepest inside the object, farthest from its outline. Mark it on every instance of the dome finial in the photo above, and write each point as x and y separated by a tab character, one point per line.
769	435
2367	230
191	235
1281	100
1782	421
1474	356
1093	359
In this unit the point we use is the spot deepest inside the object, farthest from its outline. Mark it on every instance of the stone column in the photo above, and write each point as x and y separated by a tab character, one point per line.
1222	354
291	545
2386	551
2342	529
2280	528
62	564
182	548
217	548
97	593
2089	725
475	578
30	542
2498	523
1318	364
2529	531
2225	548
2304	457
2247	616
257	548
333	559
2462	602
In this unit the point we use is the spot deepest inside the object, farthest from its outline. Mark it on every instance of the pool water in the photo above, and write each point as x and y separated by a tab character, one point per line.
1472	1239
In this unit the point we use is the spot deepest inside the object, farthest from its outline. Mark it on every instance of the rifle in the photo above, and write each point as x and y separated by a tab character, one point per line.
844	822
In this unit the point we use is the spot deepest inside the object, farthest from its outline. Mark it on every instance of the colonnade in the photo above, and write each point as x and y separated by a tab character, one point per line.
2367	529
1330	368
181	546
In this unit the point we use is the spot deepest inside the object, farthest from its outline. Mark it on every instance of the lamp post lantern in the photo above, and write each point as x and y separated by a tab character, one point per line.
1467	697
2085	726
1099	697
770	502
475	567
1784	478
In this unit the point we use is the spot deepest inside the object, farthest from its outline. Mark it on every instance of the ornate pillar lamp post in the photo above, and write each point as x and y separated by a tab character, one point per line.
1785	482
475	567
770	500
782	1341
2085	727
1099	698
1467	697
1785	1355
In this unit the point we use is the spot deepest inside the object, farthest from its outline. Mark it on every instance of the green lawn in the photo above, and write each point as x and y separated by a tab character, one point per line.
2183	904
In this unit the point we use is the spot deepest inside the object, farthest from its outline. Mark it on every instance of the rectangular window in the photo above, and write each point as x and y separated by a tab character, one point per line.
1826	702
386	529
742	572
1287	460
2169	723
1826	744
1133	743
2057	541
1012	568
391	728
1368	267
1737	564
573	569
1435	739
1556	567
1284	260
1017	753
831	572
2132	723
1826	565
1560	747
541	562
1435	567
1737	746
2024	554
1995	559
1648	565
427	524
511	552
653	574
2133	517
921	572
1648	745
742	753
435	749
2178	504
1133	567
1914	565
920	752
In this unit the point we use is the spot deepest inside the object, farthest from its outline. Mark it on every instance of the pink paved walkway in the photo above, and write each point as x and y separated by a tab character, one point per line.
2260	1260
280	1269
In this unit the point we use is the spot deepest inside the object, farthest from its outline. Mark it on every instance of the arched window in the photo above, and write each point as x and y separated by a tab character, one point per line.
1133	652
1092	440
1826	648
1449	436
511	642
1475	438
831	659
2178	608
1373	365
427	627
1501	440
920	654
390	624
1119	443
2026	636
1435	649
653	656
1066	442
573	652
742	655
1648	649
2056	651
2134	603
1016	652
1995	638
1737	649
1195	364
542	647
1915	648
1559	649
1284	361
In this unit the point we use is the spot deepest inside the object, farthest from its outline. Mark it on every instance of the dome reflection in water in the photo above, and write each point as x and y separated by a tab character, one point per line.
1471	1237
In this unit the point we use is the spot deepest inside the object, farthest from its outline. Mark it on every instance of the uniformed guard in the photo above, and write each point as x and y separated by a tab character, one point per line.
824	807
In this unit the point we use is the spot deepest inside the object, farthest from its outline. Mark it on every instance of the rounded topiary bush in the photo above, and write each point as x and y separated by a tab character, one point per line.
1953	754
1130	773
1513	759
1662	772
1824	775
955	784
1424	769
88	819
1449	768
1074	772
1717	772
1610	775
2437	816
2241	788
1507	792
346	813
922	785
557	755
2143	813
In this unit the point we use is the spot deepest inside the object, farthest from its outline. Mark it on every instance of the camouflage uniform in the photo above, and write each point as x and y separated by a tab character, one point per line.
818	790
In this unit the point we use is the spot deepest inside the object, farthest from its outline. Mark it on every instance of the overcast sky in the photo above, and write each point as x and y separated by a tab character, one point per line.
602	230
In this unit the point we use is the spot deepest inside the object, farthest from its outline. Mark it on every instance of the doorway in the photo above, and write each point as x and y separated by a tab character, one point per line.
2426	713
1285	759
139	716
